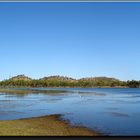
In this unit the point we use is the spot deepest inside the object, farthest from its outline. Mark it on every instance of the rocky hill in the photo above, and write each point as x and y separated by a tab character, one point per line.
63	81
57	77
21	77
99	79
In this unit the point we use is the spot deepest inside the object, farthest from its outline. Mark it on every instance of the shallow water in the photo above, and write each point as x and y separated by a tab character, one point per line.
111	111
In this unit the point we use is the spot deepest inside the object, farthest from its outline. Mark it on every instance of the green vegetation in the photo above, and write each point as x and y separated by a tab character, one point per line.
42	126
133	84
61	81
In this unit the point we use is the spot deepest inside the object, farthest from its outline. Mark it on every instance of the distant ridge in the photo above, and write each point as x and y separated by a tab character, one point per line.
99	79
63	78
58	77
64	81
21	77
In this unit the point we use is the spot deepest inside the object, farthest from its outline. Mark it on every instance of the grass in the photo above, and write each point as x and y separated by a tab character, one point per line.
50	125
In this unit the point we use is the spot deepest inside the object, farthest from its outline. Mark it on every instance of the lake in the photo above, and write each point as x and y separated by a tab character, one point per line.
112	111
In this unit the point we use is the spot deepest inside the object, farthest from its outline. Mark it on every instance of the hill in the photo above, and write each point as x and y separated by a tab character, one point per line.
99	79
20	77
100	82
57	77
63	81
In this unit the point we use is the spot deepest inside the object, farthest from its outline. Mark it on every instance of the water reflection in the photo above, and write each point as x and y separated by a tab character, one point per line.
118	114
82	94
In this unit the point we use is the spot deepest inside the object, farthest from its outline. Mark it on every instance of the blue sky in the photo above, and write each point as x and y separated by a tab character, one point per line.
70	39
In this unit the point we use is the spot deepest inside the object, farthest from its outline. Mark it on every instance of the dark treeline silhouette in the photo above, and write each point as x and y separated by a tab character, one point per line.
61	81
133	84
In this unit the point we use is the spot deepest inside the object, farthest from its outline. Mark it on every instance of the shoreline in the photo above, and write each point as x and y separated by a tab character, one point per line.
50	125
21	90
27	91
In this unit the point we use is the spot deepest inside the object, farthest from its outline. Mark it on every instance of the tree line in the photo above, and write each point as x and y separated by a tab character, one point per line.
70	83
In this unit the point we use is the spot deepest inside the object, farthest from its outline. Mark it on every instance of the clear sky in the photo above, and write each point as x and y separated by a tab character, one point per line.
70	39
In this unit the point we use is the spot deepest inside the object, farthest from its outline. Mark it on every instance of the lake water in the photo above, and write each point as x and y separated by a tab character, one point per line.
113	111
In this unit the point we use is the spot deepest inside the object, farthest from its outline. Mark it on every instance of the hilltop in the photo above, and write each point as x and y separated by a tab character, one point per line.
58	77
21	77
99	79
64	81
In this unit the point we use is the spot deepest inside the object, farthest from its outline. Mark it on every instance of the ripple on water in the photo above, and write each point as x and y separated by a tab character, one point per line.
118	114
3	112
